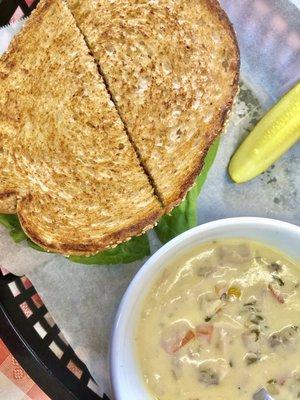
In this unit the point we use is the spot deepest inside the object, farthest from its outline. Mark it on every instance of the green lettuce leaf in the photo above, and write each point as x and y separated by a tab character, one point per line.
184	216
136	248
133	250
11	222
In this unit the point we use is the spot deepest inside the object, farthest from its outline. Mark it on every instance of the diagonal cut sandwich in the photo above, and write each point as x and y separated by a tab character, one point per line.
172	69
108	109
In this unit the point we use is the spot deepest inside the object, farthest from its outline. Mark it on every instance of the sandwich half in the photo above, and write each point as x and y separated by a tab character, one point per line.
67	167
172	69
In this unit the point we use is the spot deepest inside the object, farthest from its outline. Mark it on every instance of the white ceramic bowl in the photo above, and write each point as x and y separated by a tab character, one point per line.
126	378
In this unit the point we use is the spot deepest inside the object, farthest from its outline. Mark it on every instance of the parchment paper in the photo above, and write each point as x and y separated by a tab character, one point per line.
83	299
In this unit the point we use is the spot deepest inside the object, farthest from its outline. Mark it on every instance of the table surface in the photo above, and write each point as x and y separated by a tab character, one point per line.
15	383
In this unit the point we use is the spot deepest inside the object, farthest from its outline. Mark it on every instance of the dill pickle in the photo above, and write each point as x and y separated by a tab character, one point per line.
275	133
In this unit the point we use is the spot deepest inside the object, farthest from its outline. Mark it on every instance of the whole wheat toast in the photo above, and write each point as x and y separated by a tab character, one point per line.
67	166
172	68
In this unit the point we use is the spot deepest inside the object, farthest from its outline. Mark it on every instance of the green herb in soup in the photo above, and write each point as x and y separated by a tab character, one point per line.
221	323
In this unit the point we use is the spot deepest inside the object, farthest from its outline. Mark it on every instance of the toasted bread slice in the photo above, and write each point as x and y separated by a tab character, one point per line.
172	68
67	166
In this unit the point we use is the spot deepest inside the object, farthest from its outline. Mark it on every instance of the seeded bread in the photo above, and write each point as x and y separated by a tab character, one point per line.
172	68
67	166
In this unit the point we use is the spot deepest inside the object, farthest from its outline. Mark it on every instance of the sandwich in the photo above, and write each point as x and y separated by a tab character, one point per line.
107	112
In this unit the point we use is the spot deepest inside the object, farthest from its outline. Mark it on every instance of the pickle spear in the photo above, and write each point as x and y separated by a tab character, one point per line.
275	133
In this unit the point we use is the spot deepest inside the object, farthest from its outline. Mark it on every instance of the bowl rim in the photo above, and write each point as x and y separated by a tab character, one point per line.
153	259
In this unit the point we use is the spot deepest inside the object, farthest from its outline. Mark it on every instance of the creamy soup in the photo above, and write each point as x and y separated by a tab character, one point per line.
221	323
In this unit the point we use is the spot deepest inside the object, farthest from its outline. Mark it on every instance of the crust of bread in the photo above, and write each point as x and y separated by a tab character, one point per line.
224	112
91	247
67	166
119	48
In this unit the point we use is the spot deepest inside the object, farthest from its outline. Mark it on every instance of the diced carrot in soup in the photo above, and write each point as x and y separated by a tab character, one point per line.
205	332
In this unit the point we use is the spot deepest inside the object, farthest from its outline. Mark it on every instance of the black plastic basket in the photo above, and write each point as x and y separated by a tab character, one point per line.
8	8
30	333
27	328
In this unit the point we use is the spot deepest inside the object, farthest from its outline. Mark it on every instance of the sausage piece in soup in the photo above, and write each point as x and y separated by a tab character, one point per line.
221	323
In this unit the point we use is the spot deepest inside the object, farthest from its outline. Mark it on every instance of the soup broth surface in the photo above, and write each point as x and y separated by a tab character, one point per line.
222	322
